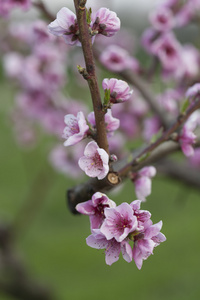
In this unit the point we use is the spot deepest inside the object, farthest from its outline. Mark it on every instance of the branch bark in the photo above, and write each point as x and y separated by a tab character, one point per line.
40	5
179	171
166	136
86	42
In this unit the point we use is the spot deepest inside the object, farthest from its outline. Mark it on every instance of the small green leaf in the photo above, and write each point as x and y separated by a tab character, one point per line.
156	136
130	158
88	15
185	106
107	97
80	69
143	157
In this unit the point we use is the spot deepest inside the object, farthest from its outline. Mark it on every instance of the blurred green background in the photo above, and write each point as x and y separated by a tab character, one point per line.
51	241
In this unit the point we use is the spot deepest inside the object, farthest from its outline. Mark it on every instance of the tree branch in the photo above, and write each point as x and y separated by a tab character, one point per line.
180	172
40	5
166	136
86	42
148	95
152	153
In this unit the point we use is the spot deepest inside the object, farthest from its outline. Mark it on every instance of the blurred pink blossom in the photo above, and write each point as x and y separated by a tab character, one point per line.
143	182
76	129
162	19
118	59
168	50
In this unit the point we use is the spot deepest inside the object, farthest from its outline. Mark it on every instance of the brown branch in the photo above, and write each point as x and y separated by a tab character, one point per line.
179	171
86	42
166	136
84	192
148	95
40	5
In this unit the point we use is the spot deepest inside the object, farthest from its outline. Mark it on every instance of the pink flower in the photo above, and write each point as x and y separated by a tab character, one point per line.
112	248
195	159
147	39
151	127
112	123
24	4
170	100
193	91
95	161
162	19
118	59
123	225
95	208
119	222
190	58
105	22
187	139
65	25
146	241
187	12
143	182
119	90
75	130
168	50
6	6
66	162
142	215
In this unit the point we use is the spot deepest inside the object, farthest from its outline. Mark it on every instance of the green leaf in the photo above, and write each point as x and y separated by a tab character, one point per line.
107	97
185	106
156	136
143	157
88	15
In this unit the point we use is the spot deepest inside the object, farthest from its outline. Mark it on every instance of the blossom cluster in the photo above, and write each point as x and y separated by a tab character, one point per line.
103	22
95	161
177	61
124	228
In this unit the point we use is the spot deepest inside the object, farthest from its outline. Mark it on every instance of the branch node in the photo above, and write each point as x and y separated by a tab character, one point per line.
82	4
83	72
113	178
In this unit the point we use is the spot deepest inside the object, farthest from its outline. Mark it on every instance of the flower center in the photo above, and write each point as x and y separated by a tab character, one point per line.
74	128
97	160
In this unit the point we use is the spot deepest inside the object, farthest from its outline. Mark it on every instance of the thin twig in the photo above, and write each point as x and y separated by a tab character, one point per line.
148	95
40	5
179	171
166	135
